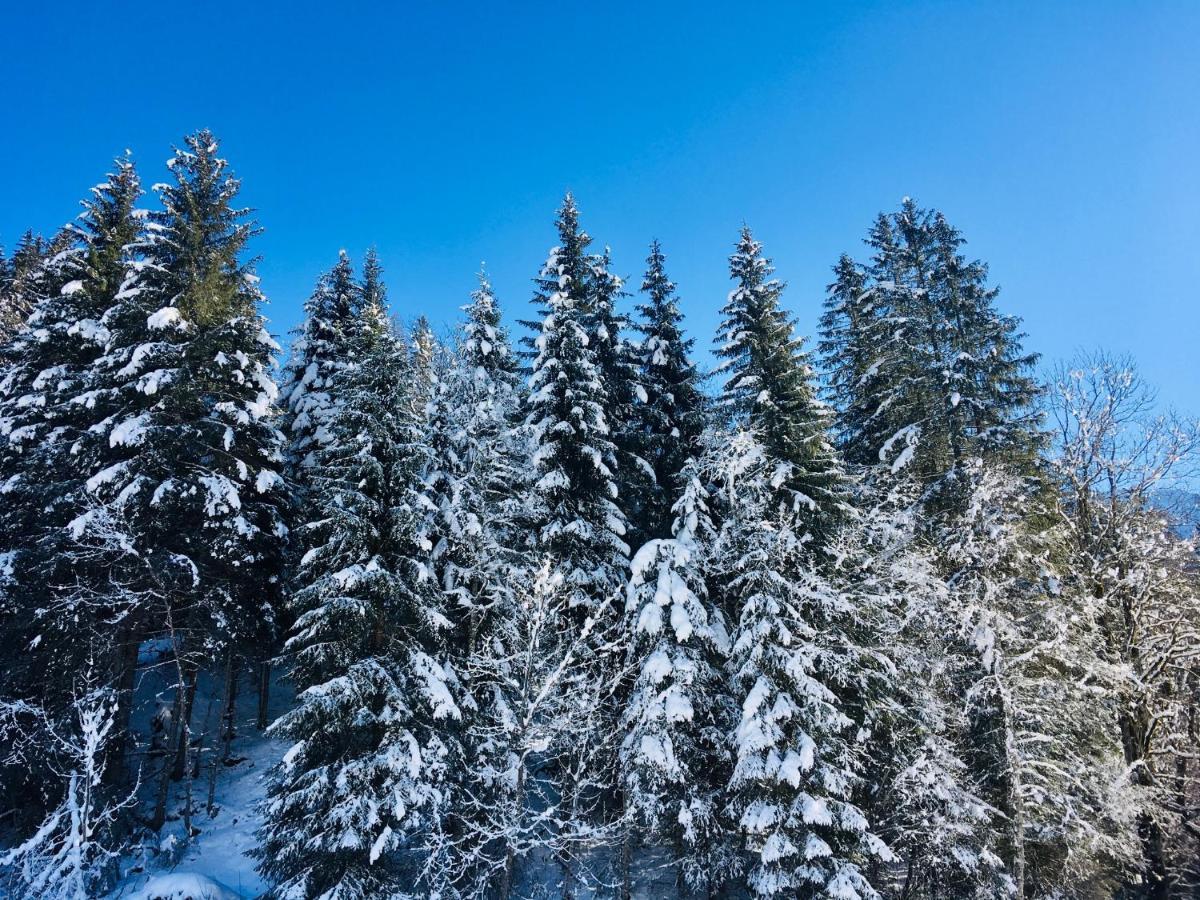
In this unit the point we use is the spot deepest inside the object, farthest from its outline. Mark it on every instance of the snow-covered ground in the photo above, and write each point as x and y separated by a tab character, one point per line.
214	865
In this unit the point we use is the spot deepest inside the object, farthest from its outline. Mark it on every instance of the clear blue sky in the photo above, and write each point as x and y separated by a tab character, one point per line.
1062	138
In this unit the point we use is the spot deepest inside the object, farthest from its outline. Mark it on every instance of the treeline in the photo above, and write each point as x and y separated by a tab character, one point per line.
891	619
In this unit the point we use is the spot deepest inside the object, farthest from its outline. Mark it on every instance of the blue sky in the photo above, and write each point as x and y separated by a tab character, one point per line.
1063	139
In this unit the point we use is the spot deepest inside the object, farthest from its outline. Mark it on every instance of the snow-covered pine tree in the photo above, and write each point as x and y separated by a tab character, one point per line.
671	415
319	352
915	788
925	370
428	366
574	459
187	459
769	387
795	671
64	590
852	342
189	358
675	758
573	503
471	501
355	808
475	470
21	276
616	360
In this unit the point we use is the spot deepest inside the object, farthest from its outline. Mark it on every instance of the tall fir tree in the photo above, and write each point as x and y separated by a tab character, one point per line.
574	459
63	603
796	670
356	805
675	725
616	362
769	387
185	467
318	353
924	369
672	411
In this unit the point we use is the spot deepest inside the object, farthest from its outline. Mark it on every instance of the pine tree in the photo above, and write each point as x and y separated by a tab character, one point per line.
852	339
575	464
674	757
21	278
915	787
794	671
926	372
769	386
198	456
616	361
66	590
184	470
318	353
475	470
671	414
357	803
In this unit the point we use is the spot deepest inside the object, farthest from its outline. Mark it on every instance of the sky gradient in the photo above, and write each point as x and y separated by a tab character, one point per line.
1063	139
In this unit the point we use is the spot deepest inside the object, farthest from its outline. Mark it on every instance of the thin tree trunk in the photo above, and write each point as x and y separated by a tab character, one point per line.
164	781
188	674
227	731
264	693
510	859
626	853
116	773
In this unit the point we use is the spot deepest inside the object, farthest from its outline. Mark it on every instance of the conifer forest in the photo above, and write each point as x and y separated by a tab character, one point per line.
549	605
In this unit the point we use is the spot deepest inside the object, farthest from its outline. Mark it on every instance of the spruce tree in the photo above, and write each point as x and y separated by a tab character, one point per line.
66	604
675	761
185	467
475	470
318	353
616	362
671	415
795	671
22	278
198	468
574	459
769	387
356	806
925	371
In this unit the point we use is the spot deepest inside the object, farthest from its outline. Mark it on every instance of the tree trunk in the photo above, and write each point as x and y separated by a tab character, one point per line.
264	693
510	859
227	729
164	781
116	771
188	673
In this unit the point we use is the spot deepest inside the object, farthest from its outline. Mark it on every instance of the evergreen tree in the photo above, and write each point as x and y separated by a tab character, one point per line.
674	757
198	457
184	468
671	414
475	471
22	278
575	489
319	352
65	602
769	386
796	671
616	362
925	370
915	787
357	803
